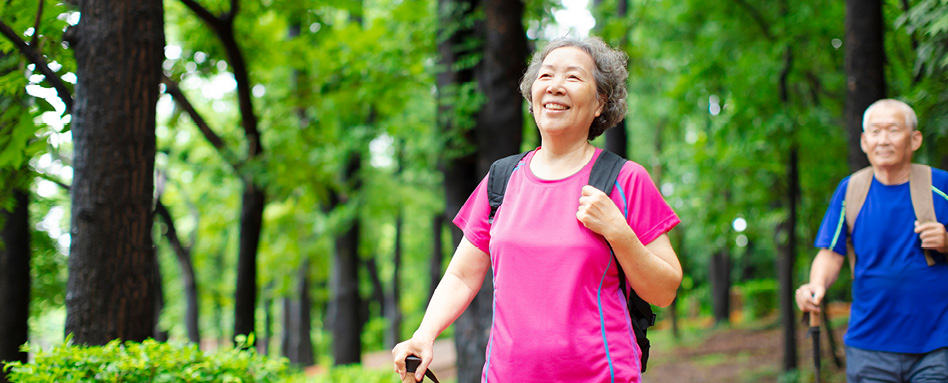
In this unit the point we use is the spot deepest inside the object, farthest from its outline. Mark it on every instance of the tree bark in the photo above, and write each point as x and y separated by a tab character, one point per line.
183	255
865	70
617	138
297	346
720	275
345	316
391	308
119	49
437	253
498	133
14	280
251	223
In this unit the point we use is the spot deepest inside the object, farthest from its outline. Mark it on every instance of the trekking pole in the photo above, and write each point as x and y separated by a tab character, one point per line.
411	365
815	334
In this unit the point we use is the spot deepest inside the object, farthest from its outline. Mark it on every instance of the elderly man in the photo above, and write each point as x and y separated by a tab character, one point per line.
898	326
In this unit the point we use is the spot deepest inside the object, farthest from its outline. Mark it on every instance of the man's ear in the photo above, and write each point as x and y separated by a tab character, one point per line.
916	139
862	142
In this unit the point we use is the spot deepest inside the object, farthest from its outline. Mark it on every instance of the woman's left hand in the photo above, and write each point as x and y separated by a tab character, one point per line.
598	213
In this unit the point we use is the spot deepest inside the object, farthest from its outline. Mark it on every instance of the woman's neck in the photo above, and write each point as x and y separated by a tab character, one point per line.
559	162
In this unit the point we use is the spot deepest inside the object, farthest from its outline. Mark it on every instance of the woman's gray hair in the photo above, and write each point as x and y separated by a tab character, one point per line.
610	74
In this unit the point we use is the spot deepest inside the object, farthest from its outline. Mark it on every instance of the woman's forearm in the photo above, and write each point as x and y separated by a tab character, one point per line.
653	270
458	287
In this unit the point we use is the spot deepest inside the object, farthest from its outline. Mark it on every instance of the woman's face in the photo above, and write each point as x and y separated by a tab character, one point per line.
564	93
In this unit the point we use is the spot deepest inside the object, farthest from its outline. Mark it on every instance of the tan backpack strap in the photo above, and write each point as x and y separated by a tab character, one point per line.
920	185
856	192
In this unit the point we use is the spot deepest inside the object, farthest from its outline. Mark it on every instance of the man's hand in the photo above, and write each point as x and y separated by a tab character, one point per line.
809	297
933	236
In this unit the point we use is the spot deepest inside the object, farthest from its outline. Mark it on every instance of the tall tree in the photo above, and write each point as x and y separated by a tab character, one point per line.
617	138
865	69
119	46
345	306
253	201
498	132
14	279
15	252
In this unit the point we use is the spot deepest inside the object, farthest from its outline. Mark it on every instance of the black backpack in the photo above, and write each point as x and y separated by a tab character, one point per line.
603	176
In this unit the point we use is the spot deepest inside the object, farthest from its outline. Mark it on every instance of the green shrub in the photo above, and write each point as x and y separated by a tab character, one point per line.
760	297
149	361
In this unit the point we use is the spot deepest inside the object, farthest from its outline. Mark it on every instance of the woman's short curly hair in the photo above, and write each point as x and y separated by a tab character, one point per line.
610	74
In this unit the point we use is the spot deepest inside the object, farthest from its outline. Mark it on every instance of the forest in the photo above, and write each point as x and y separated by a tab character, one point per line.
282	174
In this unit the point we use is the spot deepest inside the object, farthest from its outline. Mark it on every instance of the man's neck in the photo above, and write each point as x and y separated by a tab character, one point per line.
893	175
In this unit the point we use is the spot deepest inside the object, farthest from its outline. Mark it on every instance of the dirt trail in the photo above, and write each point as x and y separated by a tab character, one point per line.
731	355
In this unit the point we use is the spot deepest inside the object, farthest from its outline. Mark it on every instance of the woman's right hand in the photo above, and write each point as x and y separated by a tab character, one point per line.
417	347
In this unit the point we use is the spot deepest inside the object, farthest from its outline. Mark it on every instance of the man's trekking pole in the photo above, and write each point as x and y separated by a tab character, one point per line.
814	332
411	365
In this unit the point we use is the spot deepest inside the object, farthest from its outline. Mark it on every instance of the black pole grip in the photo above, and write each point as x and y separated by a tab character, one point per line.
411	363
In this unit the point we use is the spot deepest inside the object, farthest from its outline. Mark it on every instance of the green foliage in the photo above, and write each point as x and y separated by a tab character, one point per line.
760	297
149	361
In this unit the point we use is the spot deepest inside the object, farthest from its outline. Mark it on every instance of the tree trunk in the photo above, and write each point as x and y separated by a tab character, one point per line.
14	280
720	275
617	138
263	343
119	49
183	255
437	253
345	320
391	308
865	69
345	312
785	268
498	133
251	223
297	346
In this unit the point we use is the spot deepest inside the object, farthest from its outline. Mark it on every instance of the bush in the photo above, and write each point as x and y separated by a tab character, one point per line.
149	361
760	297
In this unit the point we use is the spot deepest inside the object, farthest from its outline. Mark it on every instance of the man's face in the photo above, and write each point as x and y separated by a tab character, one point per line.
888	140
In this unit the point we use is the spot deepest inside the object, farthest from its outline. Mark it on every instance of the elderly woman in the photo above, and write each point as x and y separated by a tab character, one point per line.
559	315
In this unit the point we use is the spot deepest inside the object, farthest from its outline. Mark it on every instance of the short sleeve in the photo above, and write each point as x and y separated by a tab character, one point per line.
472	217
833	232
645	209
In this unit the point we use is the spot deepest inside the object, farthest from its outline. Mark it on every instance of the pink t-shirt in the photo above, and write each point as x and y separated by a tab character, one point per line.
558	312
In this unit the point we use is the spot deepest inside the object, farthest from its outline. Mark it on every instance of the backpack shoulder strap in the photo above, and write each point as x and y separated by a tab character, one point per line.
605	171
920	184
856	192
497	179
603	176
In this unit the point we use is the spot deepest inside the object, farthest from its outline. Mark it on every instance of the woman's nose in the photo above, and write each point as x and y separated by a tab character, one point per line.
555	87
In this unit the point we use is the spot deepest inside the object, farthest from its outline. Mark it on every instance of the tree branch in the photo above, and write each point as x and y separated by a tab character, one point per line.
61	90
223	26
234	8
172	88
36	25
758	18
52	179
203	14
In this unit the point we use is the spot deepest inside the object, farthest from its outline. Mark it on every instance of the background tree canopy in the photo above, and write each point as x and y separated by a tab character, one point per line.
309	155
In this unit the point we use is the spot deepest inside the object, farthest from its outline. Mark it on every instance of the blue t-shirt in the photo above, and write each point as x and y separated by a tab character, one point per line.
900	304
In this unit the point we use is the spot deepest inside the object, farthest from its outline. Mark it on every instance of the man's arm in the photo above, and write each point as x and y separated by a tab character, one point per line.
823	273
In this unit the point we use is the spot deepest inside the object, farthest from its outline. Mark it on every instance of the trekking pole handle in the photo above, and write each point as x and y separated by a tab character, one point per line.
411	365
814	319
